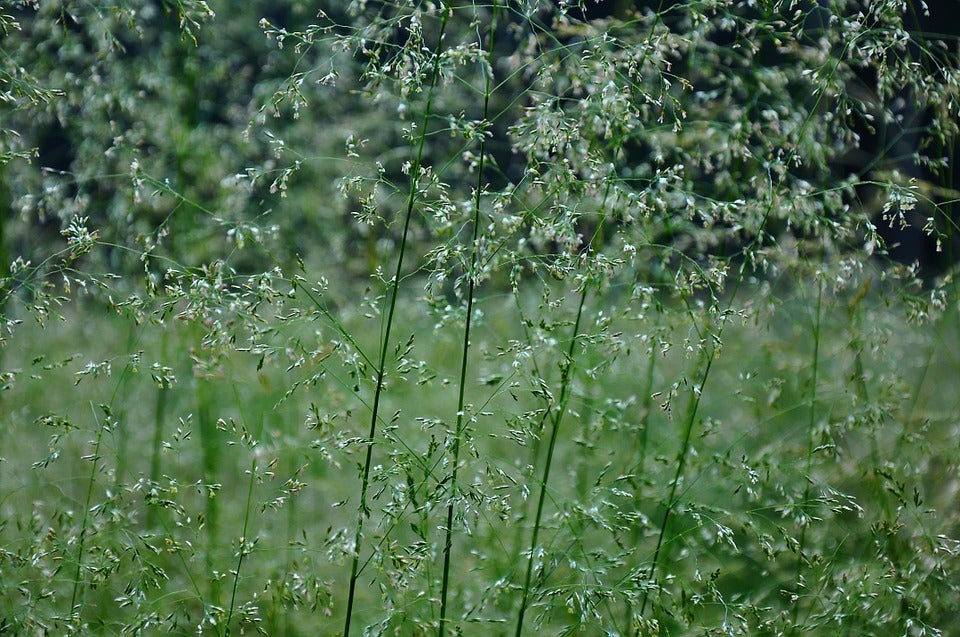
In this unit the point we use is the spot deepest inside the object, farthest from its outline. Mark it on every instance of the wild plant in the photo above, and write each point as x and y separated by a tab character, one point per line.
445	317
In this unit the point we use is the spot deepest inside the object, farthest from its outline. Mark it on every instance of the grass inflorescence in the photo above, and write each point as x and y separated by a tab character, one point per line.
420	318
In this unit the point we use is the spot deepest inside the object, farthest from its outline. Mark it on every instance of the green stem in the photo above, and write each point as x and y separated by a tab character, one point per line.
694	405
558	417
242	552
644	443
471	275
804	522
76	595
363	511
122	434
692	408
159	416
210	466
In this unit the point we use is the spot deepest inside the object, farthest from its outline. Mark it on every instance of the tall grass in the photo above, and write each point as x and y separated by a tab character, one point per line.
471	274
513	320
414	172
558	412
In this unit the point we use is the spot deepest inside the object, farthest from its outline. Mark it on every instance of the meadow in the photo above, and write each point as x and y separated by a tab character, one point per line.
415	318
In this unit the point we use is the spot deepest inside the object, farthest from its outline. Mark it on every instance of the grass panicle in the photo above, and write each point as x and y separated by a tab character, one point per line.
628	319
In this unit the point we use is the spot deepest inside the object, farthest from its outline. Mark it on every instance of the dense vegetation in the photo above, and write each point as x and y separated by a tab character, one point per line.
435	317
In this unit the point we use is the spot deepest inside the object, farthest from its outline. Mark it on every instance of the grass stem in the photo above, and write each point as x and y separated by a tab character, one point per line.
363	510
565	379
811	433
76	595
464	356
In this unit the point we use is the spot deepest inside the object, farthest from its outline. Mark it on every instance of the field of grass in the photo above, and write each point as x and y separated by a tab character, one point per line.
801	478
512	318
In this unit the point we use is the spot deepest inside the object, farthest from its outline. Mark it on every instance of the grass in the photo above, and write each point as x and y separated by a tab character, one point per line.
803	488
593	341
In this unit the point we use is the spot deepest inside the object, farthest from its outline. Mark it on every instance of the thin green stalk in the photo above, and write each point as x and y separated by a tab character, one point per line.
210	456
810	441
242	551
159	416
692	408
647	405
695	402
184	563
363	511
121	434
75	596
565	377
644	442
541	423
471	275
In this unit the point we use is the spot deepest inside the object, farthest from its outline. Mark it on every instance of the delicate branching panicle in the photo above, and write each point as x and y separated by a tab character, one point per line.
451	317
